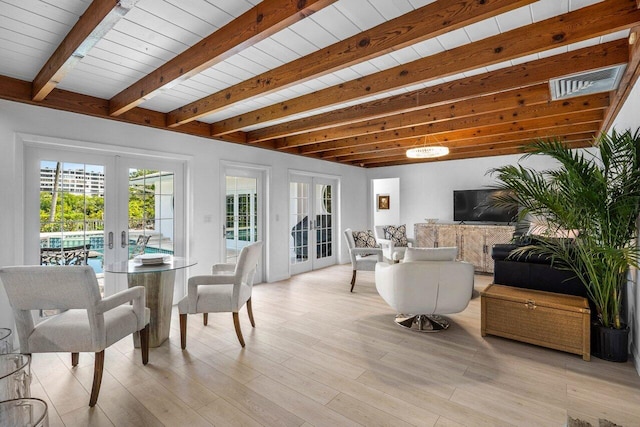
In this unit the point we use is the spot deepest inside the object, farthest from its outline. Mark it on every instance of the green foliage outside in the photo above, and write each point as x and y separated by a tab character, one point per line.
74	210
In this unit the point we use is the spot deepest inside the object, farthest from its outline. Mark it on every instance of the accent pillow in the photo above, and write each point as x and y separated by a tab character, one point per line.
431	254
364	239
398	235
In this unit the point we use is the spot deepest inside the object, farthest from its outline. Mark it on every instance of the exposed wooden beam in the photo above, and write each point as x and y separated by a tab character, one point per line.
533	72
350	146
585	23
100	16
20	91
628	81
402	160
470	147
258	23
426	22
555	108
461	139
507	100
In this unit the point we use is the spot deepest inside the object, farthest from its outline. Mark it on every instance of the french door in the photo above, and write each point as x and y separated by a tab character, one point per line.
311	222
96	209
243	205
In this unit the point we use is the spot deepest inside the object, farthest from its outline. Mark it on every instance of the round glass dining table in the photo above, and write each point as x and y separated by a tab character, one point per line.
158	281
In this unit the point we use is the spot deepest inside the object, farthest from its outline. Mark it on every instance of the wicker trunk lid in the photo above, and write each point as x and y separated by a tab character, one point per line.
548	319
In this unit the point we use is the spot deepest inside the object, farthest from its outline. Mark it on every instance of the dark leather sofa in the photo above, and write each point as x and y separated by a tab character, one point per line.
532	272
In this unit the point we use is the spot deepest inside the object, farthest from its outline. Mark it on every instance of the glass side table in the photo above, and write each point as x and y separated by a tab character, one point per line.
15	376
6	341
24	413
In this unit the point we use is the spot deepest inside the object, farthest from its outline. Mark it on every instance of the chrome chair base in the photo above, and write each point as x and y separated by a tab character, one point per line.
422	322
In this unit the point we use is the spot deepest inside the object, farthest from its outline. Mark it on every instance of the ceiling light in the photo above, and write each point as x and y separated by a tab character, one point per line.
427	152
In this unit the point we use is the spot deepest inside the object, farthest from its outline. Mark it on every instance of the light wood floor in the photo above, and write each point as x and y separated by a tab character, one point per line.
322	356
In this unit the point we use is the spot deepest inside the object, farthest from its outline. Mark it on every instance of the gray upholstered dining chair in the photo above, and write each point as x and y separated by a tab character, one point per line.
226	289
88	322
362	258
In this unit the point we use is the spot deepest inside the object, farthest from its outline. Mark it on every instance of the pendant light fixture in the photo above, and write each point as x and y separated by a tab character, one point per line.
427	152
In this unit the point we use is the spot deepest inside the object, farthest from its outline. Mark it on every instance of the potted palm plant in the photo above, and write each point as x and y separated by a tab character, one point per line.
596	194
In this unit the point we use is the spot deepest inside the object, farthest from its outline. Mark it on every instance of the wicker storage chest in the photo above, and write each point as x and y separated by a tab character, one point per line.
557	321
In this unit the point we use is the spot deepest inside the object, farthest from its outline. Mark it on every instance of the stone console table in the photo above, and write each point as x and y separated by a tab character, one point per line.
474	242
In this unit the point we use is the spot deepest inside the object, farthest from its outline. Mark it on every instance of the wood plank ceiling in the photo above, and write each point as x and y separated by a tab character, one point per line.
350	81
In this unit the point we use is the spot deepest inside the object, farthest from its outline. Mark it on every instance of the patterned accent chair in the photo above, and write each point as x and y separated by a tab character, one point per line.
393	240
364	256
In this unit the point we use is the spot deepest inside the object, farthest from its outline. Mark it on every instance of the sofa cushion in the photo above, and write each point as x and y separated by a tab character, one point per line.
431	254
397	234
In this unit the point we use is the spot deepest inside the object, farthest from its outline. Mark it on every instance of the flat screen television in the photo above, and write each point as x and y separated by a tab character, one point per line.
475	205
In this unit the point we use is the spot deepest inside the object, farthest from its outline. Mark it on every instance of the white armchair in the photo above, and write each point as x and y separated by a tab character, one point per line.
391	250
88	323
227	289
427	284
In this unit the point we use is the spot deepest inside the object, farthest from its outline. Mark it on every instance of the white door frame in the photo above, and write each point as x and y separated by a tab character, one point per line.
263	175
336	182
25	222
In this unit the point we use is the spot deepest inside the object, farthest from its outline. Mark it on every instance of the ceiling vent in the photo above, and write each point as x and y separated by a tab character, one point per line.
602	80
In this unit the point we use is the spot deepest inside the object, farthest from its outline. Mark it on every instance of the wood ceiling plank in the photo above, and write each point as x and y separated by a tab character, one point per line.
585	23
399	160
593	57
628	80
555	108
258	23
426	22
470	146
579	131
507	100
63	60
337	148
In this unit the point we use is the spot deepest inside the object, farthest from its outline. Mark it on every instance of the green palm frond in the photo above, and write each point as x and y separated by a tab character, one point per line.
596	193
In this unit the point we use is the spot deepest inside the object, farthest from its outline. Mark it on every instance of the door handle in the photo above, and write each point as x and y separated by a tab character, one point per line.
110	239
123	239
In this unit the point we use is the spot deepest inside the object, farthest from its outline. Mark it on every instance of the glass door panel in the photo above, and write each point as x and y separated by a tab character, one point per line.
151	225
311	244
72	214
241	215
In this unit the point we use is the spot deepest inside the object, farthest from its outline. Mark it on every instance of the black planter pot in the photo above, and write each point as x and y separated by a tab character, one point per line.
610	344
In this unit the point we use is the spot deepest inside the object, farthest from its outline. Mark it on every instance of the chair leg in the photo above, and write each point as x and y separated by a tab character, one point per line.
97	378
144	344
236	324
250	312
75	357
353	280
205	318
183	331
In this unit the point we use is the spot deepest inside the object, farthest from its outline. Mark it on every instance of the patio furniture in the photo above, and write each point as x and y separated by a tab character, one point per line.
73	255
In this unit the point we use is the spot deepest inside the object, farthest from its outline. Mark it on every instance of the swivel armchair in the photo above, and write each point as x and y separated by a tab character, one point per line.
426	285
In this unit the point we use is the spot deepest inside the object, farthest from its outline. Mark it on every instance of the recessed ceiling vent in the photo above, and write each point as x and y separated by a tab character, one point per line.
602	80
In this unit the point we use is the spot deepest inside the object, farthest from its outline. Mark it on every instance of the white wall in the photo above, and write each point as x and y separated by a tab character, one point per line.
426	190
389	187
205	192
628	118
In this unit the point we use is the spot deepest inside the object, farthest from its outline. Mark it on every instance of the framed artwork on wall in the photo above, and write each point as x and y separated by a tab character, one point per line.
383	202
